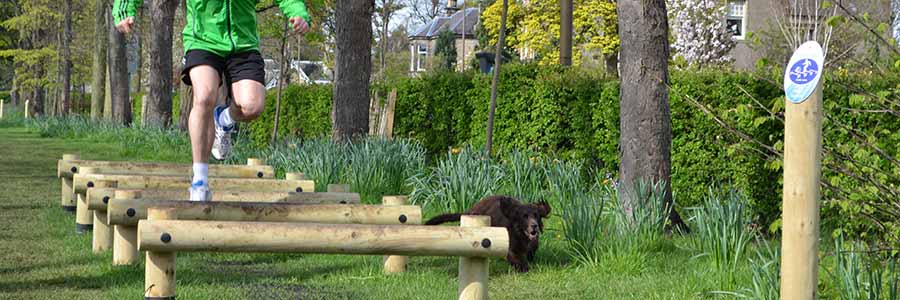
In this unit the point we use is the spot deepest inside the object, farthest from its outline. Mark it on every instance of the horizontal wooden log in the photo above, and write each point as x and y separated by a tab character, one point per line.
412	240
97	198
83	181
67	168
128	212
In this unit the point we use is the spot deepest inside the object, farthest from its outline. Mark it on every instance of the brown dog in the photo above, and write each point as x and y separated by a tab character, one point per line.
522	221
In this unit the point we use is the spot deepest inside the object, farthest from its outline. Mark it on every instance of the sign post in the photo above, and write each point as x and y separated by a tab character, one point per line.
802	171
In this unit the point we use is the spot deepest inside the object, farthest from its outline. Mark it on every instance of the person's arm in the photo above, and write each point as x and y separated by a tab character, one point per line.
294	8
123	13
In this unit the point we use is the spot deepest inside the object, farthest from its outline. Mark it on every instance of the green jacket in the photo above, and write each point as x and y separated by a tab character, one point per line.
222	27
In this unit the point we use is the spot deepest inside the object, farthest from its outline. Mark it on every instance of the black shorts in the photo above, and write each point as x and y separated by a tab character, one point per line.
235	67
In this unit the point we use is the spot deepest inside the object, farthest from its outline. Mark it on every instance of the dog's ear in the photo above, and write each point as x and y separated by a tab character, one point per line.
543	208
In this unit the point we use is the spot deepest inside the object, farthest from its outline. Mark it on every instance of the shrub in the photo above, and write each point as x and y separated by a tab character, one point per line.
722	227
305	113
457	182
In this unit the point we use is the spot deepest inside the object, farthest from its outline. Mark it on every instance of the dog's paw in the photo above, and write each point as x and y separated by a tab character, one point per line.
521	268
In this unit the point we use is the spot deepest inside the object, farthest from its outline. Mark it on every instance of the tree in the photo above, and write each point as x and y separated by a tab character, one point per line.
565	33
120	103
424	11
353	68
645	119
385	9
33	21
445	49
66	57
98	85
701	36
162	20
498	60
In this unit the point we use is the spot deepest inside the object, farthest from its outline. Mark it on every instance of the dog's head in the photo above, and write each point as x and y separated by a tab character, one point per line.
528	218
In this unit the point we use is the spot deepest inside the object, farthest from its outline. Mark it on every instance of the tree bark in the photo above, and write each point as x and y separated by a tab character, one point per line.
645	118
159	106
67	58
565	33
98	84
353	68
118	77
498	60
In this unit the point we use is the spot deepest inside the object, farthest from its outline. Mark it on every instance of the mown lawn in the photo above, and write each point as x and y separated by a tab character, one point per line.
41	256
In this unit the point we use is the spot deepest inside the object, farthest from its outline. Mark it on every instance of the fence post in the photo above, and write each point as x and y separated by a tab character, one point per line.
473	271
103	234
125	248
159	272
395	263
68	193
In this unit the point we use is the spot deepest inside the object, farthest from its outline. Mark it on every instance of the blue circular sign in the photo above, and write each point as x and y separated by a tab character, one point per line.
804	71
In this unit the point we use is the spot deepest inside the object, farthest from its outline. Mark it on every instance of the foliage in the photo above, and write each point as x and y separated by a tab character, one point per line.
701	35
534	28
457	182
305	113
862	276
722	226
445	48
581	210
433	110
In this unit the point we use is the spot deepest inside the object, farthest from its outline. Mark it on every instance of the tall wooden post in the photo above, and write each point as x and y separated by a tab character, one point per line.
27	108
159	273
103	233
473	271
802	171
125	251
395	263
68	193
84	219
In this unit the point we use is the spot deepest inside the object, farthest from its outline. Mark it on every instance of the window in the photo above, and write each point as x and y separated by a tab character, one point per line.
422	56
735	20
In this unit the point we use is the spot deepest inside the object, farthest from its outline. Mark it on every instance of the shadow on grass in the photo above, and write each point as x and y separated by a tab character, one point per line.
76	282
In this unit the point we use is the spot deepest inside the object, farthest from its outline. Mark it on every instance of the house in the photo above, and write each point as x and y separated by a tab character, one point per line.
422	41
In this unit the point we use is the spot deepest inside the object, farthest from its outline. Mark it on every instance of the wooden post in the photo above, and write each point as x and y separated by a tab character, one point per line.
255	162
103	233
67	193
295	176
159	273
389	116
99	198
802	173
27	108
81	181
84	219
394	263
338	188
473	271
125	242
1	108
69	168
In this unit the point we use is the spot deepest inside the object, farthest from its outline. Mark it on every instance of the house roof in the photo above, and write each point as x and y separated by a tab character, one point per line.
453	22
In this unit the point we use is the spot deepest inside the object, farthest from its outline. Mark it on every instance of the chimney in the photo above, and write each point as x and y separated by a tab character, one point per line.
451	8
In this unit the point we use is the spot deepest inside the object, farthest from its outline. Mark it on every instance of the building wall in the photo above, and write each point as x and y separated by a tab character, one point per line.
757	19
471	44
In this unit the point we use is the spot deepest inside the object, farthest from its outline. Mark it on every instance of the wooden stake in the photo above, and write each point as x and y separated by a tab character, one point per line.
98	198
67	168
1	108
27	109
103	233
323	238
84	218
802	171
159	273
395	263
129	211
338	188
125	242
81	182
389	116
67	193
473	271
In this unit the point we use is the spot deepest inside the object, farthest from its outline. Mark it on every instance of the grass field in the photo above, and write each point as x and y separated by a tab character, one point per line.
41	257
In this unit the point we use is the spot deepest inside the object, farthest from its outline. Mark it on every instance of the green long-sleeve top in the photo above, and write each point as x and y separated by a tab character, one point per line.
222	27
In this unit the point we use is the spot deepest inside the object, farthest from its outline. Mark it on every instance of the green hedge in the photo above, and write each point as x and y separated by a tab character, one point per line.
305	112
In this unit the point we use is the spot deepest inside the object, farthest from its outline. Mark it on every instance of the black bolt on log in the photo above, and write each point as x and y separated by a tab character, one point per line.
299	189
165	238
259	174
105	199
74	170
90	184
486	243
402	218
343	202
130	212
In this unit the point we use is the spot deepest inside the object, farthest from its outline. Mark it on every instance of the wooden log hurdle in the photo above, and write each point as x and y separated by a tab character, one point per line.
162	236
98	198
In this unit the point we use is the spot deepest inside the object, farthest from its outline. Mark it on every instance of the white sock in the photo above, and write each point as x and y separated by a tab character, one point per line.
225	118
201	173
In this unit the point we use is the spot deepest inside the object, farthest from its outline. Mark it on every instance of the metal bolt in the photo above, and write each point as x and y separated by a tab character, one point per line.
165	238
130	212
402	218
74	170
90	184
105	199
299	189
486	243
259	174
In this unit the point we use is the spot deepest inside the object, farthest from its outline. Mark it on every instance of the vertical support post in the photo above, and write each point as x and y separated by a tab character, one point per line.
67	194
125	251
159	272
802	171
1	108
255	162
27	108
394	263
103	234
473	271
84	219
294	176
338	188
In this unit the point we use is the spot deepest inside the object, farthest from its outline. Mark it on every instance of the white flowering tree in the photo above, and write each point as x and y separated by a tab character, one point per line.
701	34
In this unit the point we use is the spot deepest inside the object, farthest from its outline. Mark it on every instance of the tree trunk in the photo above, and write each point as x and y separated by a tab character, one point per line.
645	118
612	64
498	60
159	106
186	97
353	68
14	93
284	69
118	77
136	55
98	84
565	33
67	58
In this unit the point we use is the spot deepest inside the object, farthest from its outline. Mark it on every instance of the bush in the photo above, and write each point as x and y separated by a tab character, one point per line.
434	110
305	113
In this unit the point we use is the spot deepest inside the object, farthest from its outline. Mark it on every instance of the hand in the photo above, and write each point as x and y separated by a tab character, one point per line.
124	26
299	24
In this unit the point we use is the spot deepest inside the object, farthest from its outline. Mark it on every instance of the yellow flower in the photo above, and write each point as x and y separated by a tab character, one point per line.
455	150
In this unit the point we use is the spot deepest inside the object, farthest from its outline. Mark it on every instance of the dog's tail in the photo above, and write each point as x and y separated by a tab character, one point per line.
443	219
